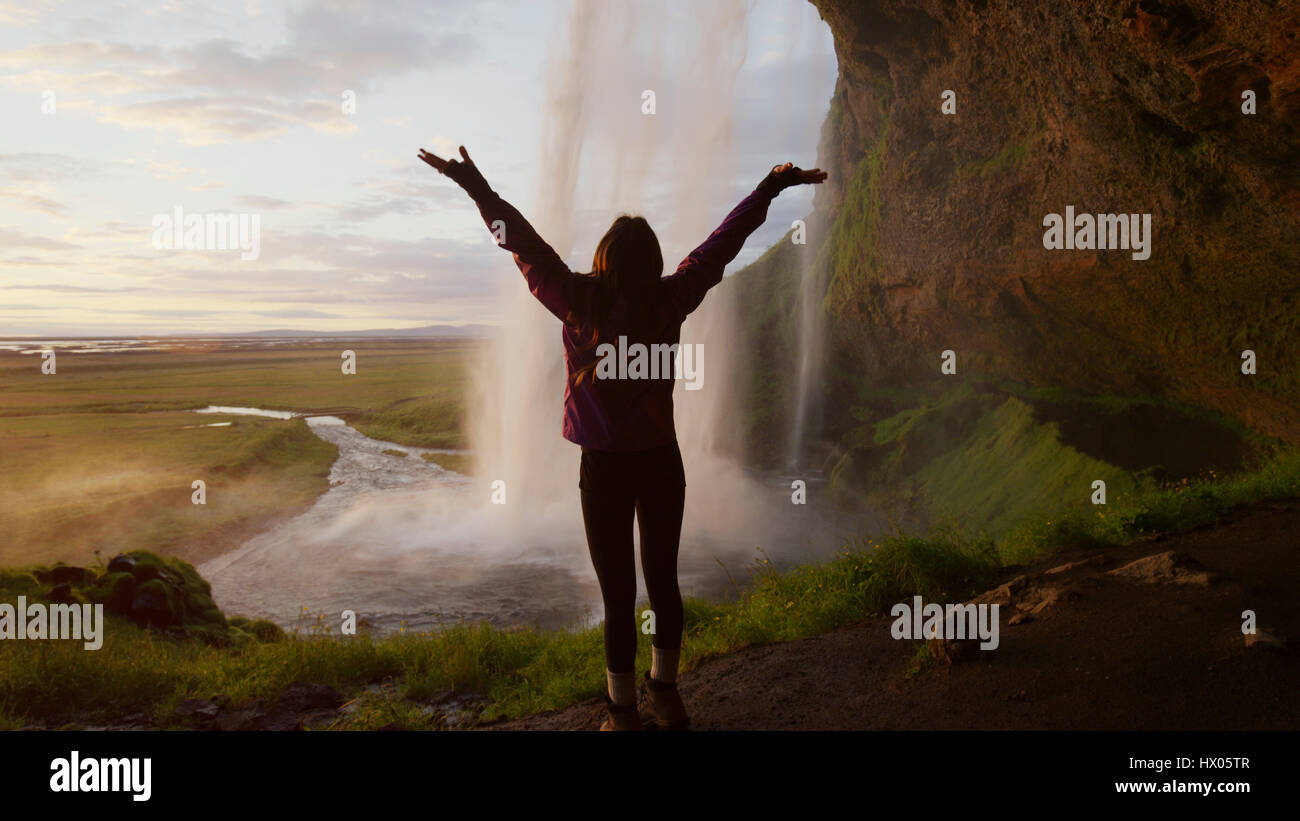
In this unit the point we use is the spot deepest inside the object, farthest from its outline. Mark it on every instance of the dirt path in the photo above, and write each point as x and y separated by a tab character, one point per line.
1106	652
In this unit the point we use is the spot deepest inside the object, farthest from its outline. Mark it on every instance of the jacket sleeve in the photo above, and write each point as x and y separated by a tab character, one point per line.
548	277
703	267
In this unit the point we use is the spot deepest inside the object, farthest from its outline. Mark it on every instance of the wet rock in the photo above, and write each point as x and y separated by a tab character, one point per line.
138	720
197	712
61	593
121	564
318	719
1170	567
441	696
302	697
462	710
279	721
313	706
242	719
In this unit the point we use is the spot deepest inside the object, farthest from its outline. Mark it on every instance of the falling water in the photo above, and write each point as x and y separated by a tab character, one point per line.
674	166
810	317
808	358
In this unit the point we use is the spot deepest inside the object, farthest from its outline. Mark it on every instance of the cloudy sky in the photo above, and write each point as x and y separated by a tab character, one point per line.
116	113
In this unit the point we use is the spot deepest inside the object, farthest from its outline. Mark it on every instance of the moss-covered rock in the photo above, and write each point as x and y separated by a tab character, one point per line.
114	591
141	587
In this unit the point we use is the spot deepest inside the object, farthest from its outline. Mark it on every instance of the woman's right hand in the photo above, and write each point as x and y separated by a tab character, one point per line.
799	175
788	174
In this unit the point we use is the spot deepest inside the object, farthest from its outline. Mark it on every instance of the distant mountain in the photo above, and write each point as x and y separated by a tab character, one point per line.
455	331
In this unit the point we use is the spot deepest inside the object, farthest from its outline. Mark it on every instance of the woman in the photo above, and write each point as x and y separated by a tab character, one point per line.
630	460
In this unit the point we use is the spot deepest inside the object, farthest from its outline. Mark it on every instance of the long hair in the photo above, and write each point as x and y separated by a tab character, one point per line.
627	264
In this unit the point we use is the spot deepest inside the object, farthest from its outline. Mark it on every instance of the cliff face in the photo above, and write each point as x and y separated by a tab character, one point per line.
933	234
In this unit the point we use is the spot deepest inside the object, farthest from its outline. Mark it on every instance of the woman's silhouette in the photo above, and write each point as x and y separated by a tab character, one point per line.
630	460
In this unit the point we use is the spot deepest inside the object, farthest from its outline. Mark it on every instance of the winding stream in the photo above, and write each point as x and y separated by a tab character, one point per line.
407	544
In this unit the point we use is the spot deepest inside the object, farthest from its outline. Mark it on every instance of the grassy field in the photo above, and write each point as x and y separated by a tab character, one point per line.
72	484
102	454
301	377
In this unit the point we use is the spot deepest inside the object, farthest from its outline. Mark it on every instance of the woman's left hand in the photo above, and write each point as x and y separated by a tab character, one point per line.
463	172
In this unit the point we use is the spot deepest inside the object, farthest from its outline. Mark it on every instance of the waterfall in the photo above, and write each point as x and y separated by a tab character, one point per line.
602	156
809	352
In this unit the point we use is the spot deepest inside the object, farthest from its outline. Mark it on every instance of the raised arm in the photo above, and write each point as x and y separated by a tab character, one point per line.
703	267
549	279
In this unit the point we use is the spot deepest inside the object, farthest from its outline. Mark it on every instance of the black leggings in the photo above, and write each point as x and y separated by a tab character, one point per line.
651	483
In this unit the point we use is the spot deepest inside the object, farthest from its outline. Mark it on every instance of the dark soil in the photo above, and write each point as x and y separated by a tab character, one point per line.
1111	654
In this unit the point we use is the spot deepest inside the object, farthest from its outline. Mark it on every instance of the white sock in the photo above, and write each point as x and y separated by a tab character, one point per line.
622	688
663	665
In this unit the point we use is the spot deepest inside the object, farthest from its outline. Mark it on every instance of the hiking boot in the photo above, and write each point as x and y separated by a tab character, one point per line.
663	708
620	716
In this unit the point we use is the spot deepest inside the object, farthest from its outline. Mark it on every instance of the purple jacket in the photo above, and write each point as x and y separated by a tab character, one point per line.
620	414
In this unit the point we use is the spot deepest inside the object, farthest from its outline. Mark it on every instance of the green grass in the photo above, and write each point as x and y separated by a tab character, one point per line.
1176	506
1031	464
1012	155
521	671
425	422
455	462
991	454
73	483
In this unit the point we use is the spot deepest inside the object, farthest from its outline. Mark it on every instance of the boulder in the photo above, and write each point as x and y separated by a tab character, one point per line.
1170	567
197	712
121	564
301	697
